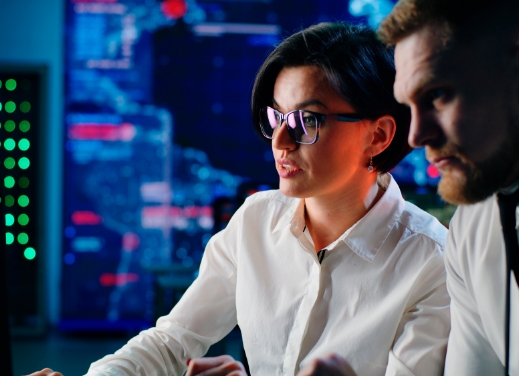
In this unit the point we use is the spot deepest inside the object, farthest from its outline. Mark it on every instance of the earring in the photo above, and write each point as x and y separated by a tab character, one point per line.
370	168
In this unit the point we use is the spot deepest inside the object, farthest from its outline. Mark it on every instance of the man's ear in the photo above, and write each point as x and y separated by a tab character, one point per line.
384	129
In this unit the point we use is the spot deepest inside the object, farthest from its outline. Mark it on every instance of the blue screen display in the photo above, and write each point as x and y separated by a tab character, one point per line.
158	132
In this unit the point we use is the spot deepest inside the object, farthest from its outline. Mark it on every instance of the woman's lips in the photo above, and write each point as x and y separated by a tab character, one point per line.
287	168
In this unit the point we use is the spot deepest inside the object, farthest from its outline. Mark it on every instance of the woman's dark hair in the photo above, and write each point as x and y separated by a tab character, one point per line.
358	66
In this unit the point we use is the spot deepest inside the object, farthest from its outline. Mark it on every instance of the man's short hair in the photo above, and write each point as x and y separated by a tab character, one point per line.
408	16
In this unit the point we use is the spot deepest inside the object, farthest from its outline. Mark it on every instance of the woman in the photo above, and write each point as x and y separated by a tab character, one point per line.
333	261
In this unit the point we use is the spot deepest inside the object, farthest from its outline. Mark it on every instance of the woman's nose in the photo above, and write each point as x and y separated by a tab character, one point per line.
281	139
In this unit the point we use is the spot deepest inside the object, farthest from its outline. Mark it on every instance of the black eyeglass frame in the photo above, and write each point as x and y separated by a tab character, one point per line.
349	118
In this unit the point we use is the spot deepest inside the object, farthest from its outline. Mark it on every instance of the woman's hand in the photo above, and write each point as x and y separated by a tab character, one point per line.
46	372
223	365
330	365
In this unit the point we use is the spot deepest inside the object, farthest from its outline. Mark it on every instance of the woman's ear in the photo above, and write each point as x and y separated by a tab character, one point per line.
383	129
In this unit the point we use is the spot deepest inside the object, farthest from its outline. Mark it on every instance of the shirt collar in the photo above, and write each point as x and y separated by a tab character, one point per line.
510	189
367	236
295	216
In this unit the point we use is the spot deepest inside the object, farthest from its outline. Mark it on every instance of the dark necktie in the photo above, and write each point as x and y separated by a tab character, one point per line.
507	208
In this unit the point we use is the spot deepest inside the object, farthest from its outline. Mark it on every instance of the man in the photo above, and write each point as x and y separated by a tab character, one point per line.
457	67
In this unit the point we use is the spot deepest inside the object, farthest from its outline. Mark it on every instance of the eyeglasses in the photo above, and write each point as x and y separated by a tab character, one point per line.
302	125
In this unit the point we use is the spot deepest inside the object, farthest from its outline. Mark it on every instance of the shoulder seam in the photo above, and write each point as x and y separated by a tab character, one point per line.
424	234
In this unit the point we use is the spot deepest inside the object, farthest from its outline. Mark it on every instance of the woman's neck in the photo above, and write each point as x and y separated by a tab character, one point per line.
328	217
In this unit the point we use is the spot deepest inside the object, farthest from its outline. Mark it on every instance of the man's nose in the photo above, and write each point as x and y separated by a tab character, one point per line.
424	130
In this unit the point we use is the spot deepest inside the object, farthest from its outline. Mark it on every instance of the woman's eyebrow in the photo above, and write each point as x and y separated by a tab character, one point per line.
310	102
304	104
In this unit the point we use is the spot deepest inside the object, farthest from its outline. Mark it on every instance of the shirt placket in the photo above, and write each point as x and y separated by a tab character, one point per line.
301	321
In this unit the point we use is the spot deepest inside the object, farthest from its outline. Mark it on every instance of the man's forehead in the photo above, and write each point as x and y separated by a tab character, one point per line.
418	59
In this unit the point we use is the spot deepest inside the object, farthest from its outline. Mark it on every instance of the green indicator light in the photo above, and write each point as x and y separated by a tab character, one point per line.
0	106
10	107
23	219
9	219
9	201
9	163
29	253
24	144
24	163
9	238
23	182
23	238
0	83
23	201
10	84
9	144
25	125
9	126
25	107
9	182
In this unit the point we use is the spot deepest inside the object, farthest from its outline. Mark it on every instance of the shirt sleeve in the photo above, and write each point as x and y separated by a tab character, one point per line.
203	316
470	353
421	338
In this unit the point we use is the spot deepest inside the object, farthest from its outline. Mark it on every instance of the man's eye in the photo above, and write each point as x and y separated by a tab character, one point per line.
436	97
435	94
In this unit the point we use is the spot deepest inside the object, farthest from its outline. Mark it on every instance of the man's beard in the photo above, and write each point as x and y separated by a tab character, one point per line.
474	182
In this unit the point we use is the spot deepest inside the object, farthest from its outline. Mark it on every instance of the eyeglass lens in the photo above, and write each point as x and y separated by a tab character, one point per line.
301	125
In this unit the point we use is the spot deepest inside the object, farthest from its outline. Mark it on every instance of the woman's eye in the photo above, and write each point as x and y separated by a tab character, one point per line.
310	121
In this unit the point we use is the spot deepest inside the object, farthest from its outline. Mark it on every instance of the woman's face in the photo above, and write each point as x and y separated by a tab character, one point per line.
337	162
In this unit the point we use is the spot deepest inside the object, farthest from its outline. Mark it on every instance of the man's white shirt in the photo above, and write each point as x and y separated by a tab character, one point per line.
475	260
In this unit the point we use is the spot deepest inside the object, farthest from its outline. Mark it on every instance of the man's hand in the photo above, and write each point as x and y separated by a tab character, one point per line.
46	372
223	365
330	365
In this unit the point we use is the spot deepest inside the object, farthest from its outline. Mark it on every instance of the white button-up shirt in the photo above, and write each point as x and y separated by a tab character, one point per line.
378	299
476	266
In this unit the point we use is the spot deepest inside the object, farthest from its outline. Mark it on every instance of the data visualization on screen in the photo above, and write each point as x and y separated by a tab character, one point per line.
158	139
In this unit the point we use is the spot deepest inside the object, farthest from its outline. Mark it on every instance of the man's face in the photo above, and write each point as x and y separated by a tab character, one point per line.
464	101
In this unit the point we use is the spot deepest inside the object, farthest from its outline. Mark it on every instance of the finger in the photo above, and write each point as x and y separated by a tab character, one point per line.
238	373
233	368
46	372
329	365
313	368
199	365
342	364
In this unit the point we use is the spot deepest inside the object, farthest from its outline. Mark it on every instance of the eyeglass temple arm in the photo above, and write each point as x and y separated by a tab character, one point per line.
349	118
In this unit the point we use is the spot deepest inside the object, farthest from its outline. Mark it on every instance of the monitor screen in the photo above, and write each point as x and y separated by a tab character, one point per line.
159	145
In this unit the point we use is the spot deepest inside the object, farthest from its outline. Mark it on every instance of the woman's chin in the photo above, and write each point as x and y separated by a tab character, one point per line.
291	190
